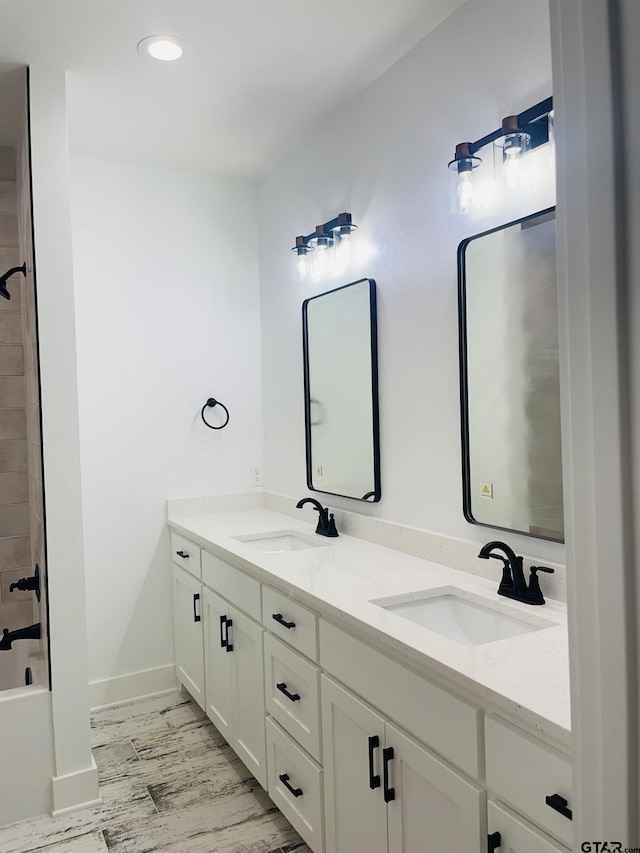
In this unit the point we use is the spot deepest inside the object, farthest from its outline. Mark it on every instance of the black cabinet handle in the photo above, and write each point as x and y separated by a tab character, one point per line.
282	687
387	756
183	555
559	804
493	842
374	743
196	614
278	617
228	645
284	778
223	639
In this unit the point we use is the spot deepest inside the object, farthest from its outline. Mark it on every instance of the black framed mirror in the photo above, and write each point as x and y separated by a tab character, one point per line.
509	378
339	334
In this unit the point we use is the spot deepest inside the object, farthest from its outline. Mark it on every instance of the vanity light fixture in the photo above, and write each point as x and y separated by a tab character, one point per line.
164	48
517	135
325	251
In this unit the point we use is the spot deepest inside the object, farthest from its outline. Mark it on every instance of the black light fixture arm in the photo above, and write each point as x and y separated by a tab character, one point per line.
342	220
532	121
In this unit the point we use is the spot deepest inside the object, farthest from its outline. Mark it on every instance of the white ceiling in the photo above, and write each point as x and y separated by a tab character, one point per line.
259	76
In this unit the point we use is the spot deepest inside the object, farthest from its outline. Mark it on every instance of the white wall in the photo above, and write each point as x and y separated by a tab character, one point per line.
384	159
168	310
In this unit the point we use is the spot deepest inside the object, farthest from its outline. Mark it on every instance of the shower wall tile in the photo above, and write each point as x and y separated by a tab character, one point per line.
13	456
9	257
34	459
13	392
14	488
14	520
13	305
8	229
10	576
13	424
10	327
11	359
8	199
33	424
7	164
17	614
15	552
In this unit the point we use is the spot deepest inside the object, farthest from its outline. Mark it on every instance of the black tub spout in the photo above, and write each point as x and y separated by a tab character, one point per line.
31	632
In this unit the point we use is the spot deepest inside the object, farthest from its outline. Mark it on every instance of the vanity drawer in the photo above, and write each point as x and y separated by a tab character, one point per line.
232	584
516	835
286	670
295	624
290	765
186	555
523	772
449	725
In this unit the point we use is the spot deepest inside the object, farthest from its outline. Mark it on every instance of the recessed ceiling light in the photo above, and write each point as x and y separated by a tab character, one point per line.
165	48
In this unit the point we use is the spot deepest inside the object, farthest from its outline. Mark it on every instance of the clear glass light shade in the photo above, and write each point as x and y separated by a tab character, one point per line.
463	186
302	263
324	258
344	247
511	166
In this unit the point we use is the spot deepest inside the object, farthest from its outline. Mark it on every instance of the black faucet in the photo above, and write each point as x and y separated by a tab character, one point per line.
326	523
31	632
513	583
32	583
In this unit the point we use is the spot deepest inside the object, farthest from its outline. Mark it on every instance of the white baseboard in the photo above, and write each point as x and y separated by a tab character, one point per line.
75	790
134	685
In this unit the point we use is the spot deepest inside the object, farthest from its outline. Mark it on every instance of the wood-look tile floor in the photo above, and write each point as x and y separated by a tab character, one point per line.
169	783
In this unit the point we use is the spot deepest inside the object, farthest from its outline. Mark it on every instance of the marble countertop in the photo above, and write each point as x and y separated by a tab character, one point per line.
526	676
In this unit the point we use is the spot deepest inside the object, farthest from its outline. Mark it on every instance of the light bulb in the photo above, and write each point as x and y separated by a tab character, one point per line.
323	258
302	263
465	193
344	252
512	170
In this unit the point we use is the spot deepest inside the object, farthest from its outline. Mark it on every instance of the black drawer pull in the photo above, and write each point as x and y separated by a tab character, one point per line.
493	842
374	780
282	687
183	555
284	778
559	804
223	639
279	618
387	756
196	609
228	644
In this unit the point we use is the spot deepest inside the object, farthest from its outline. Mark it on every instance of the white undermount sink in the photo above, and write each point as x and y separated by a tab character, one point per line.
462	617
279	542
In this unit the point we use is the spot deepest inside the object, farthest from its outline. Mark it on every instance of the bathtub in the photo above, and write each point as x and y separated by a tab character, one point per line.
15	661
26	734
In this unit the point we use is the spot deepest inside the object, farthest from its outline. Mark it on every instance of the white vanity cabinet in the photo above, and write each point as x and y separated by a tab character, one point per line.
234	677
385	791
188	633
362	750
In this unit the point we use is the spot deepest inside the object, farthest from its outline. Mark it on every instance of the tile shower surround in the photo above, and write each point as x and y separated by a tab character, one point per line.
22	543
15	512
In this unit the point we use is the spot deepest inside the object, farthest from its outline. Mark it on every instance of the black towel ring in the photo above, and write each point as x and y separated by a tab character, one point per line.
211	403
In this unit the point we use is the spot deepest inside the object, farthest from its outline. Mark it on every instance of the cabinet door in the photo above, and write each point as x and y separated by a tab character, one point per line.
435	809
187	604
217	663
247	691
516	836
356	815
